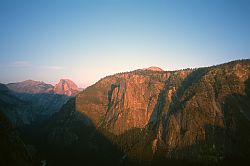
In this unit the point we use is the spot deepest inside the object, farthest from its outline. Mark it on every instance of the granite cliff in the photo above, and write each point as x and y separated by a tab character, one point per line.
66	87
149	116
199	115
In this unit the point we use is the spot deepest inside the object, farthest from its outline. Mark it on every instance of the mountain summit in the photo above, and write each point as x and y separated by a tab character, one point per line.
153	68
66	87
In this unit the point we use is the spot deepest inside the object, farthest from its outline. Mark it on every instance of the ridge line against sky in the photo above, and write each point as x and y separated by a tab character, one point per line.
86	40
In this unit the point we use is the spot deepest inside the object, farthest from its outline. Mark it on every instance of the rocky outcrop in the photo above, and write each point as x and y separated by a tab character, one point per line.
66	87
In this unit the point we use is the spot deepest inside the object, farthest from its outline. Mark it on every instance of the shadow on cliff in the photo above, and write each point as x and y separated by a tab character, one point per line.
70	138
181	86
223	146
236	108
218	149
192	79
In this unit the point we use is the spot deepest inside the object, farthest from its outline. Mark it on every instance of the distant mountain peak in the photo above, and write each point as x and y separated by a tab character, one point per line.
153	68
30	86
66	87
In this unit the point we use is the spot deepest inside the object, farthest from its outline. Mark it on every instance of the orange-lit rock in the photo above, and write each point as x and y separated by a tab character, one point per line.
66	87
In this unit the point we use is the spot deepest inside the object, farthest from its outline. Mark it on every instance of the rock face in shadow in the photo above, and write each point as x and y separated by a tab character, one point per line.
17	111
43	105
35	101
71	138
23	108
209	116
12	149
198	115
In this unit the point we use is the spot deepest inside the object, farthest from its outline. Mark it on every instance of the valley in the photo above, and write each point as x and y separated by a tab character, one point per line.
143	117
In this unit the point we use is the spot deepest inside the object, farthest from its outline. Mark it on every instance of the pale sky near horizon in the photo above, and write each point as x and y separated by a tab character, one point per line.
85	40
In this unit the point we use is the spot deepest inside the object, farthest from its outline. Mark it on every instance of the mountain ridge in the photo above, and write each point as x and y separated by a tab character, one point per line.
64	86
149	117
190	114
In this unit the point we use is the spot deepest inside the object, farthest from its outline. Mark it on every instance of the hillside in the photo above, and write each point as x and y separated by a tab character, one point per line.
199	115
12	149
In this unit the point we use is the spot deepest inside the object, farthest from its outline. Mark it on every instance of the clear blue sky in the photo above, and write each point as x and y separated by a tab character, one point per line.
85	40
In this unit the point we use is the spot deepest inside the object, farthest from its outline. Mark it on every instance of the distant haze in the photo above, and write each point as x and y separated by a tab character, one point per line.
84	40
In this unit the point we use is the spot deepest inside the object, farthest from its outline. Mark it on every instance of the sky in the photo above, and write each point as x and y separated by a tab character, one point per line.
85	40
